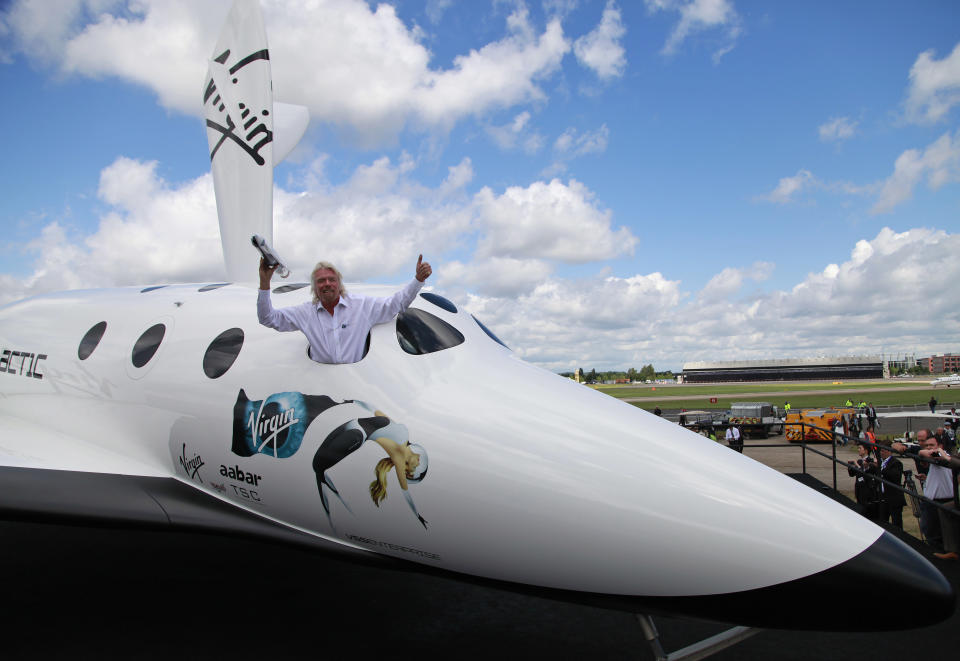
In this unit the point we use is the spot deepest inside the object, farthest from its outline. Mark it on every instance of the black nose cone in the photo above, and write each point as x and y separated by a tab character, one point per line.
888	575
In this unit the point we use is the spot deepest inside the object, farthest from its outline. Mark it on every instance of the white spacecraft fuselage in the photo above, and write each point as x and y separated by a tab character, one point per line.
171	406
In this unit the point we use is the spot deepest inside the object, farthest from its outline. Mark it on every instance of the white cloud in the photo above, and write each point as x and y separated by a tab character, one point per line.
375	224
698	16
503	277
934	86
161	45
548	221
789	187
873	301
140	239
499	75
40	29
571	144
516	133
837	129
939	163
436	8
357	67
459	176
882	283
600	49
559	7
731	279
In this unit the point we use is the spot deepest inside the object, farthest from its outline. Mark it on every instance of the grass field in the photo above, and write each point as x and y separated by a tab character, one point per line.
710	390
800	395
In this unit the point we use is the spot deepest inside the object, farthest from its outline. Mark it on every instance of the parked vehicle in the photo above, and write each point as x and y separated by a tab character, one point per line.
817	425
755	418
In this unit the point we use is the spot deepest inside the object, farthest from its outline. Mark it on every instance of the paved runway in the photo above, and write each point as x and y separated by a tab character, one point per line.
73	592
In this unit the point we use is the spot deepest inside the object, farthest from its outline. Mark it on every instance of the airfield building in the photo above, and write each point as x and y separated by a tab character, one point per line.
790	369
948	363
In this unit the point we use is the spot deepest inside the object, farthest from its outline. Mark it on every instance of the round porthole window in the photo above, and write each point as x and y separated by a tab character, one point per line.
91	339
147	345
222	352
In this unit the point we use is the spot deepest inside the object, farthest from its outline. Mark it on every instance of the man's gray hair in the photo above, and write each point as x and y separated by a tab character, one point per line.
313	279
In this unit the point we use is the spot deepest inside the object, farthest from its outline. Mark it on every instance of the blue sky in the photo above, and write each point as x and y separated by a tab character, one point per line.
606	184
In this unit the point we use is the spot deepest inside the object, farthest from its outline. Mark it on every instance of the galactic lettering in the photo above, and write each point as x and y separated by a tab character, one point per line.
23	363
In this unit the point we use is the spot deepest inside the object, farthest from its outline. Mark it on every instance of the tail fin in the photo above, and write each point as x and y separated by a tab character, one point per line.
238	106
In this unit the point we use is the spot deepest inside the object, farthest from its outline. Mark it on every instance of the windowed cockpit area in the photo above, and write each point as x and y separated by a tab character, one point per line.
420	332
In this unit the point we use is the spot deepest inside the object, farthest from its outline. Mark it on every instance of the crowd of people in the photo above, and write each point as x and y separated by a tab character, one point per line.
879	473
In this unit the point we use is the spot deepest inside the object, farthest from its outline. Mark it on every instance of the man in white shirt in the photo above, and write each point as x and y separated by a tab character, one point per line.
336	323
733	438
938	526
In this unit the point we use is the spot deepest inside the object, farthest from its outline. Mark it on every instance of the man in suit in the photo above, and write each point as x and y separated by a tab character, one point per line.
892	501
865	488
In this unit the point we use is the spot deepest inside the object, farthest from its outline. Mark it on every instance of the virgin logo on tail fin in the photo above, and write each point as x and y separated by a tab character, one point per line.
240	116
233	119
238	108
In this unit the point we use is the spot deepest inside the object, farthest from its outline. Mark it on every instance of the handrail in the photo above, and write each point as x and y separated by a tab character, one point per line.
875	446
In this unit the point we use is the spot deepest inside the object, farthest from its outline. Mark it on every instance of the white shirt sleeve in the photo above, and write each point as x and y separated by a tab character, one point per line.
384	309
282	320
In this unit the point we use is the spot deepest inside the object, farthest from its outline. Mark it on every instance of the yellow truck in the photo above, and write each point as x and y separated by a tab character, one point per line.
817	424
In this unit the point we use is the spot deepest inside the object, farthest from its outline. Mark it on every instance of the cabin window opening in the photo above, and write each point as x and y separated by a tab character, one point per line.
91	340
490	333
419	332
439	301
147	345
222	352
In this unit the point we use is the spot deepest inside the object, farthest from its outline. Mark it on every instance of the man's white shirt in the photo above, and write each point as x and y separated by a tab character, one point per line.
939	482
340	337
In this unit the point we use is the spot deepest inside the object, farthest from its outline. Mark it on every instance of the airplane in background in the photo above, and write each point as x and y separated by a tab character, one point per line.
168	406
953	380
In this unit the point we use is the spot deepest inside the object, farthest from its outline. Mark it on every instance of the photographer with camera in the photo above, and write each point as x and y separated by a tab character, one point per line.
865	488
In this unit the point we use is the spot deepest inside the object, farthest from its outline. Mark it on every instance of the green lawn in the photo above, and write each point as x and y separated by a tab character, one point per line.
736	389
879	394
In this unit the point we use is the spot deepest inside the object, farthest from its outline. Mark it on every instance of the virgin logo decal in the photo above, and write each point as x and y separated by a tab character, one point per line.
274	426
191	466
266	430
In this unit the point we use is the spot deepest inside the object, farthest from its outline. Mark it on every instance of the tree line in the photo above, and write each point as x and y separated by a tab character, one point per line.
916	370
645	373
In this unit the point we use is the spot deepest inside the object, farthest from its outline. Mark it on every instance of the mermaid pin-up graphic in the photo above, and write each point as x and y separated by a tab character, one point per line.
409	459
276	426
